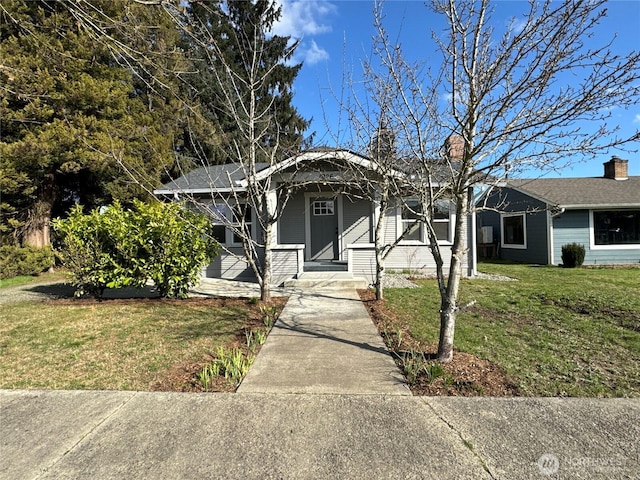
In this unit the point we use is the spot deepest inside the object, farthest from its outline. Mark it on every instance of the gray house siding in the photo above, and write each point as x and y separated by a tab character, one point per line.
229	266
363	263
570	227
285	265
291	224
536	230
574	226
356	223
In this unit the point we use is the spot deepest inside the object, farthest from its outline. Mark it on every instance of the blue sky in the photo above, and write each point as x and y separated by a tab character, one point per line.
336	37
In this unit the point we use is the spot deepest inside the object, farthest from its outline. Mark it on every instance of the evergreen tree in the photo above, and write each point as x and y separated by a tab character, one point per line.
73	119
239	30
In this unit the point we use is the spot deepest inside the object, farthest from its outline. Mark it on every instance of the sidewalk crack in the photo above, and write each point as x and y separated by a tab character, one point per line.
466	442
84	435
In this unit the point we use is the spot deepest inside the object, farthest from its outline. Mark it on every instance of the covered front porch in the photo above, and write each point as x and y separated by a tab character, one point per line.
290	267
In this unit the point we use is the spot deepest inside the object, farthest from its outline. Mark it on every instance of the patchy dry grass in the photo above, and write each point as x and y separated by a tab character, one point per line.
134	344
554	332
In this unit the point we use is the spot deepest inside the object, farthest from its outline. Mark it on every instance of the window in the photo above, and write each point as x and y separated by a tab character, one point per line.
241	214
514	228
218	215
221	217
620	227
413	227
442	220
323	207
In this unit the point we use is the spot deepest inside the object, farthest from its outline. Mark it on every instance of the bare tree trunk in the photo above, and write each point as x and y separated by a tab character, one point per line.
450	296
265	287
379	245
37	230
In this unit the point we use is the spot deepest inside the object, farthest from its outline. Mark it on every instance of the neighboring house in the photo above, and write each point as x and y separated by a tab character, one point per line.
533	219
326	223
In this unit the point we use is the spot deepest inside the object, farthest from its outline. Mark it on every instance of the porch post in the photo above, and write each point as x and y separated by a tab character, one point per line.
272	205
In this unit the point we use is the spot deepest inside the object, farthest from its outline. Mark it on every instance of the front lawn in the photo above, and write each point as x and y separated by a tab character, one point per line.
32	279
133	344
554	331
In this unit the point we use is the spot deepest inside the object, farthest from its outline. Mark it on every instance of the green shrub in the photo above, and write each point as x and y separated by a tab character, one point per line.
117	248
16	261
572	255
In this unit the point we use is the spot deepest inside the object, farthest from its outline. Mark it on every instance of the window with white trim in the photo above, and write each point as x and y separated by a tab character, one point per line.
442	220
224	216
616	227
218	214
411	225
411	213
514	230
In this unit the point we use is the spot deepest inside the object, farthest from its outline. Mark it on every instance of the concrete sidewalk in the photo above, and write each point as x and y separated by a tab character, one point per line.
116	435
323	399
324	342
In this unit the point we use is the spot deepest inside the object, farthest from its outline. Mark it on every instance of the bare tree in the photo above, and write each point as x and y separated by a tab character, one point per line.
506	103
246	72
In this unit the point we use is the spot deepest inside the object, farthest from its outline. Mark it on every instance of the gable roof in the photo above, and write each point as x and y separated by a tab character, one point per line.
229	177
593	192
320	154
222	178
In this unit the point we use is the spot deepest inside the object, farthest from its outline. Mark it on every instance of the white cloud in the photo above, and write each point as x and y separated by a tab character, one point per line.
314	54
517	25
637	118
303	17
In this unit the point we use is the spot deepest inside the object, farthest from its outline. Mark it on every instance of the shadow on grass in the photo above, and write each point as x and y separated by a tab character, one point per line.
64	290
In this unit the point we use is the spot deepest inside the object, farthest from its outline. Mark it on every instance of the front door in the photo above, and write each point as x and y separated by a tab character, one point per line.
324	228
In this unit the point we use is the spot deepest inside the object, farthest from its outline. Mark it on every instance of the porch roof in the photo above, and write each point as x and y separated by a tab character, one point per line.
322	154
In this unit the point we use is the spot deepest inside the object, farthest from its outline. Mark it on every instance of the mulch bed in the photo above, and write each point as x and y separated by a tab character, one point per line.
465	375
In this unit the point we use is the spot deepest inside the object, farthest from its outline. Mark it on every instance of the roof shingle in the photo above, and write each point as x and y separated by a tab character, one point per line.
582	192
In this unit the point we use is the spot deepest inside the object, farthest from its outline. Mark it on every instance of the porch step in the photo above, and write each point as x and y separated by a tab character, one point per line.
327	280
325	266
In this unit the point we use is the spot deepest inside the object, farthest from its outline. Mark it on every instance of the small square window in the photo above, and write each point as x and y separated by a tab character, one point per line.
323	207
514	231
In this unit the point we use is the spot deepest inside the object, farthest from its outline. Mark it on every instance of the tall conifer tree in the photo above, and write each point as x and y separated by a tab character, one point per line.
238	29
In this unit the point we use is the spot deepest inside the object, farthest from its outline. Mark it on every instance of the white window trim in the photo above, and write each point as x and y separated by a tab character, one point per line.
423	234
230	234
592	234
524	228
227	209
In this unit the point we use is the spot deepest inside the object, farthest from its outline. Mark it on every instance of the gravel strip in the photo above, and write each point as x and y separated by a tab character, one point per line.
398	280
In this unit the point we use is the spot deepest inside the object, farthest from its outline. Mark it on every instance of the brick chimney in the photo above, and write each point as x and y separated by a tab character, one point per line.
454	146
616	169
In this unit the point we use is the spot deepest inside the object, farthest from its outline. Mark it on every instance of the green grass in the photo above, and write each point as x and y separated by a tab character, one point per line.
110	345
25	280
556	332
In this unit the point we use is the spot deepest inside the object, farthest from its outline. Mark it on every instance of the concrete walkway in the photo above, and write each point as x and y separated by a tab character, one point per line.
323	400
324	342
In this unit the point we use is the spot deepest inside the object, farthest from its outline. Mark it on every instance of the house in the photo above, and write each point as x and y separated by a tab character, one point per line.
325	221
530	220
